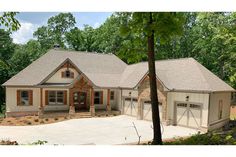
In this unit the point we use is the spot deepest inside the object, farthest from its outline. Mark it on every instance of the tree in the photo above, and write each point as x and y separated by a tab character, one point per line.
43	37
6	45
75	39
8	20
55	31
149	25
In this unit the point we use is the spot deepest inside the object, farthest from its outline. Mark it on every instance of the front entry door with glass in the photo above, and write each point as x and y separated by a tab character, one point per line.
80	100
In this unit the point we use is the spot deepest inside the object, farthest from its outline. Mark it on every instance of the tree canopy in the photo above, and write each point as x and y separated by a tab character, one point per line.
208	37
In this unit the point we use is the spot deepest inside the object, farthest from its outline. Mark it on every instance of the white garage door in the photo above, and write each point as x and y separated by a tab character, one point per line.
188	114
147	110
131	106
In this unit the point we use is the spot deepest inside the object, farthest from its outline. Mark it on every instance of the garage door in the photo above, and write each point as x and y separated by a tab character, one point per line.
131	106
188	114
147	110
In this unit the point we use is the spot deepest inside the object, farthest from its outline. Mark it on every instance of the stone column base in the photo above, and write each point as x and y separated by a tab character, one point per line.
92	111
72	110
109	109
41	112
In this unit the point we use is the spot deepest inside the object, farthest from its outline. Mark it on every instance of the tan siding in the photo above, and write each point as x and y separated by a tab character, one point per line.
11	100
214	107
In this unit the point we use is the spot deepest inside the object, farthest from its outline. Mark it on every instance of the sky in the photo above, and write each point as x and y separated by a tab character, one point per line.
30	21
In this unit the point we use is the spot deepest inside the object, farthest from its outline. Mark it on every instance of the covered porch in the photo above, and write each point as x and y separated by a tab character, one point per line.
78	98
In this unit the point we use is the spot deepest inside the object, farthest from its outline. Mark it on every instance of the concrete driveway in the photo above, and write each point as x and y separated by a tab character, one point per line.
108	130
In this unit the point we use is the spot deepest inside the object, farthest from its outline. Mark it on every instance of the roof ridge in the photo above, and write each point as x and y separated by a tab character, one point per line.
164	60
84	52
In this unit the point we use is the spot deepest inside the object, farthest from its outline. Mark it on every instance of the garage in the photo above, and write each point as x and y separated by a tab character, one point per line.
188	114
131	106
147	110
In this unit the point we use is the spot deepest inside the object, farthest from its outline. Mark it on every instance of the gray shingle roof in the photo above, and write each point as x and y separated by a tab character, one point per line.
184	74
107	70
104	70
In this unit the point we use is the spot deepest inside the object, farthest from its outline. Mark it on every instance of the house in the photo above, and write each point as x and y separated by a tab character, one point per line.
189	94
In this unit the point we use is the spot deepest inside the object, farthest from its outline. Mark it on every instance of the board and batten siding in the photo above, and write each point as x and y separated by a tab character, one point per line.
214	121
11	100
57	78
130	93
202	98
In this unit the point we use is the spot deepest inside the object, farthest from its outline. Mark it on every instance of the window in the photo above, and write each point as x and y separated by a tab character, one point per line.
67	74
182	105
98	96
112	96
55	97
24	97
195	106
149	102
220	109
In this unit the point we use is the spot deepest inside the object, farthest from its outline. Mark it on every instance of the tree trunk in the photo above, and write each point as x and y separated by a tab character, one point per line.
153	89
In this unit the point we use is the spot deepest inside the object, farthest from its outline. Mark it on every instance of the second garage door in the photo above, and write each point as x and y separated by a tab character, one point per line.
131	106
147	110
188	114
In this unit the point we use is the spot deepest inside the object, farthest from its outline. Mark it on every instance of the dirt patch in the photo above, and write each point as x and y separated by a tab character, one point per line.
29	120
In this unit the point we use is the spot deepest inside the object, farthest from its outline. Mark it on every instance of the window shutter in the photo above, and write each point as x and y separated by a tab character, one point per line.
65	97
46	97
30	92
18	101
62	74
101	97
71	75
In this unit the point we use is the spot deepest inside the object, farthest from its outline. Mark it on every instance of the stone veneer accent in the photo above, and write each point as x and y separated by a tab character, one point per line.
144	94
81	85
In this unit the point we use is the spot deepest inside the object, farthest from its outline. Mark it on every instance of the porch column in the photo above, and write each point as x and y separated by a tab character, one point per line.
164	112
139	115
92	108
108	101
72	107
41	108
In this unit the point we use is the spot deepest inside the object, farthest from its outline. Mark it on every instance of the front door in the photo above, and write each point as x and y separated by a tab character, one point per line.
80	100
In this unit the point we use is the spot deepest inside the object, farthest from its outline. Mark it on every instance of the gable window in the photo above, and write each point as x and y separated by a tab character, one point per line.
24	97
55	97
98	97
112	95
67	74
220	109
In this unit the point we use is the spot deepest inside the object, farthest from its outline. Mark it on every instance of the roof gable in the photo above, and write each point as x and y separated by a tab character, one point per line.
184	74
100	68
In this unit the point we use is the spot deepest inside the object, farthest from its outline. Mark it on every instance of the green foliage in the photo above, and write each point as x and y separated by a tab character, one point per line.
206	139
8	20
55	31
39	142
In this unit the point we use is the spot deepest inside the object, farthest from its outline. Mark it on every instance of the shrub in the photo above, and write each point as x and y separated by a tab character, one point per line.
205	139
46	119
55	118
29	123
39	142
36	120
